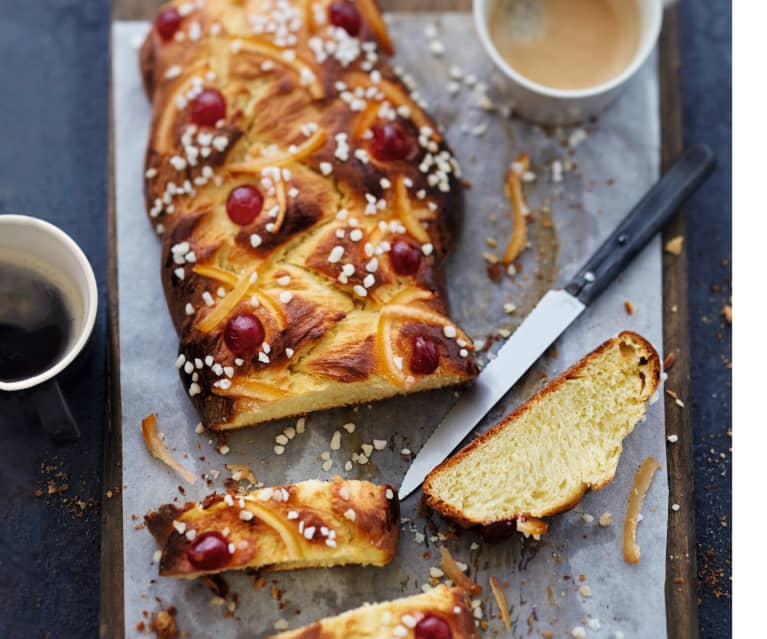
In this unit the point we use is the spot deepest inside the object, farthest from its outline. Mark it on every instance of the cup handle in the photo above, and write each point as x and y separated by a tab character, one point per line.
54	414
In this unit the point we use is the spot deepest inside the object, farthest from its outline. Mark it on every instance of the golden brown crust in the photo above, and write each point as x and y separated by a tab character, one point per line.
302	525
533	525
298	127
397	618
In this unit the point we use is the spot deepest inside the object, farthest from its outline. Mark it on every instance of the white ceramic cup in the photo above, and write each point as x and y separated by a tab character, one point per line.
56	256
546	105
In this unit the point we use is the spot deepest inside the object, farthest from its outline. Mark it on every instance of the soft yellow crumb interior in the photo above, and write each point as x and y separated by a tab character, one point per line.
567	441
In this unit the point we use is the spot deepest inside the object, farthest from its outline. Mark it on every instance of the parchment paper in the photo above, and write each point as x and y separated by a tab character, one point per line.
613	166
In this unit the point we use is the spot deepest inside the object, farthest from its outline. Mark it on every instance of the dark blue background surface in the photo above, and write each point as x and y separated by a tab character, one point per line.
54	75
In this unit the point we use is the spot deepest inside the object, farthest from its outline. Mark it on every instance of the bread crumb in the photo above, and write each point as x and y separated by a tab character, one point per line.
281	624
629	306
579	632
674	245
727	312
587	519
674	507
585	591
672	439
605	519
164	625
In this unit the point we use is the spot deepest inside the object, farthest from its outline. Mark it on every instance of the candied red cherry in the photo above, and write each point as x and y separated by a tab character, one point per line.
168	21
405	258
391	142
244	204
208	107
209	551
345	15
425	357
433	627
244	334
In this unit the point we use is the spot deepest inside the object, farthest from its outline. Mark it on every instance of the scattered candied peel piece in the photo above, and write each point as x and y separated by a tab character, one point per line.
456	575
157	449
642	482
500	599
518	239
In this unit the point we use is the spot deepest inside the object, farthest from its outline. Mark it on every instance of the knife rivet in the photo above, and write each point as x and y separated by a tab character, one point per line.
622	239
589	276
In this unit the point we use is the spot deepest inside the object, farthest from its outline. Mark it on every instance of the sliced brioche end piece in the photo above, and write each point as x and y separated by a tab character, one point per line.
395	618
563	441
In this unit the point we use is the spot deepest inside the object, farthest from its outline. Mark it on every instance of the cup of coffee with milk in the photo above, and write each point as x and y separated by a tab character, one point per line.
566	60
48	301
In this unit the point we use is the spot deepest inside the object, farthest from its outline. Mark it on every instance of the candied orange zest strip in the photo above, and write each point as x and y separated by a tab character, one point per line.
641	485
386	352
215	273
406	215
410	294
456	575
395	309
230	279
372	16
285	531
304	150
158	450
252	389
227	304
274	308
282	203
299	66
518	239
365	119
420	315
500	599
397	97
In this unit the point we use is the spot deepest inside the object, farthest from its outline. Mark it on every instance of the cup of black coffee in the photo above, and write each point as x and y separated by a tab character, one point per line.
48	302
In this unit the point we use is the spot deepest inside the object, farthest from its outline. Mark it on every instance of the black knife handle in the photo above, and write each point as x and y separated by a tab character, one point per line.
652	212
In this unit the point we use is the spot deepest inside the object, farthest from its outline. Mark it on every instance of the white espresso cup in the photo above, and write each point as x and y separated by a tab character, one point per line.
547	105
28	242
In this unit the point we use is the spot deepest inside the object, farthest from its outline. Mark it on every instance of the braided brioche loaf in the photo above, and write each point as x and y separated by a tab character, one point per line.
311	524
304	200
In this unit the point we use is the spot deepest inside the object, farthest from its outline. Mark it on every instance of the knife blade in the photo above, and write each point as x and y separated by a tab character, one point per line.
559	308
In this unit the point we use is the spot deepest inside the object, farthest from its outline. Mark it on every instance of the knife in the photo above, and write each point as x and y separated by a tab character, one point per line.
557	309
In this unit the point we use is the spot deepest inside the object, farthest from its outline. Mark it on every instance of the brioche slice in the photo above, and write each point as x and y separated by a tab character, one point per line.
311	524
441	612
565	439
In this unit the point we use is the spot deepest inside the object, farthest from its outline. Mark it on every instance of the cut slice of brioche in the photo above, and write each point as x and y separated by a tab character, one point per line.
565	439
398	618
311	524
